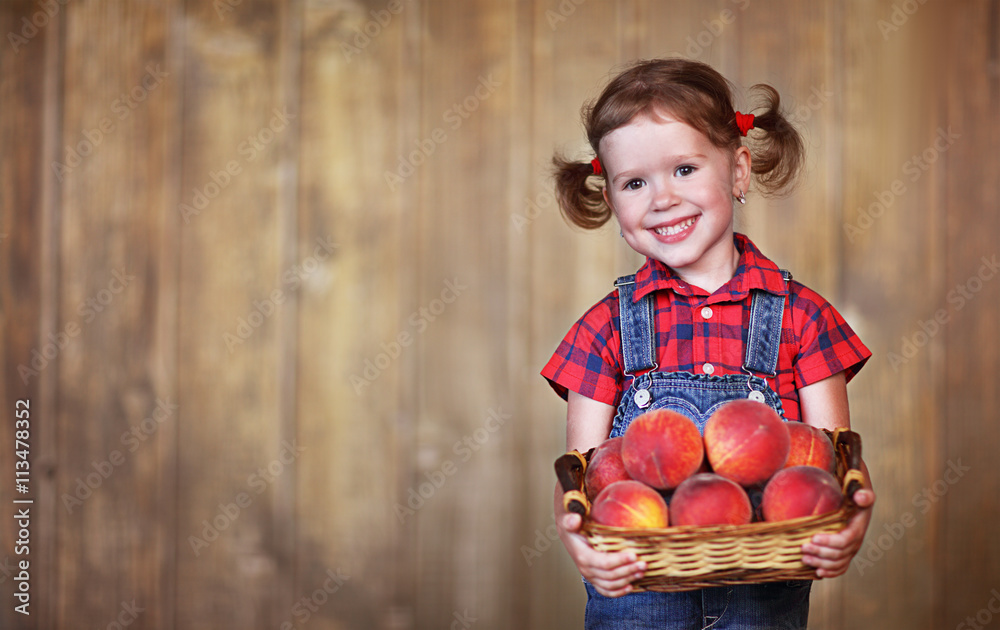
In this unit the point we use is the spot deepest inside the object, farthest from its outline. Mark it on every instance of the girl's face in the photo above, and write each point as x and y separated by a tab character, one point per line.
672	191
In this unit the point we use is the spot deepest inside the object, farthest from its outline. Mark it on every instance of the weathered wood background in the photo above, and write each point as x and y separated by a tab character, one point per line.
278	278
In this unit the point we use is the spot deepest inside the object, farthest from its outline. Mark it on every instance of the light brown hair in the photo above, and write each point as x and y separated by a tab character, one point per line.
696	94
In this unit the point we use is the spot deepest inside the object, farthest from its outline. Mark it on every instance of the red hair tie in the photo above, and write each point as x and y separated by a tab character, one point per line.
596	165
744	122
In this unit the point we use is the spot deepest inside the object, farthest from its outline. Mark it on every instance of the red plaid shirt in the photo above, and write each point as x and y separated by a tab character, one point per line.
701	333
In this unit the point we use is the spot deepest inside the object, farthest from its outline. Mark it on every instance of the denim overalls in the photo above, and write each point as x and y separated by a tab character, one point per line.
745	607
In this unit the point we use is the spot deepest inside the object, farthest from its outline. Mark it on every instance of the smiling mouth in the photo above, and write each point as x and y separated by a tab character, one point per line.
676	228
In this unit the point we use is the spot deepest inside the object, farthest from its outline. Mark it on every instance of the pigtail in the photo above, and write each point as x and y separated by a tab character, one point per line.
580	199
778	153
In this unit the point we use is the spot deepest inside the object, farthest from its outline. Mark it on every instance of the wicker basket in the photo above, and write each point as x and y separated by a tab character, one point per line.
688	558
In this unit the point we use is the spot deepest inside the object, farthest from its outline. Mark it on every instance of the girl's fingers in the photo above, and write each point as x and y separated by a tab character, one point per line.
817	556
613	566
628	570
827	562
828	546
849	539
613	592
600	565
864	498
830	559
612	573
572	522
831	573
611	586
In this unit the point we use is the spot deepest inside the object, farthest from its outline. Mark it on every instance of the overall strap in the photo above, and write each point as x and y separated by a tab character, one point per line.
638	336
764	335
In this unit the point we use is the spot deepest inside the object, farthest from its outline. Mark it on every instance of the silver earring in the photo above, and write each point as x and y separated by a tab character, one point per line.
742	198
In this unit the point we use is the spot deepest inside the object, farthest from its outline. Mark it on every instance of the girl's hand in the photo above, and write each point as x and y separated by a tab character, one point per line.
831	554
824	405
610	573
588	423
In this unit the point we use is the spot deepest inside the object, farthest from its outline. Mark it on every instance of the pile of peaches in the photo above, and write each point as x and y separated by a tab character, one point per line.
662	472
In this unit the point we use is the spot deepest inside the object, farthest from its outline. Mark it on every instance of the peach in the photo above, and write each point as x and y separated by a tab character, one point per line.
630	504
710	499
605	467
662	448
810	446
746	441
800	491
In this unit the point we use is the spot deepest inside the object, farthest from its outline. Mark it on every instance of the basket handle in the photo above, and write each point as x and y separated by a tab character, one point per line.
849	442
854	480
570	469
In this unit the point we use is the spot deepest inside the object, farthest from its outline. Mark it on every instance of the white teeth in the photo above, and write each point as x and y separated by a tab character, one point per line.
674	229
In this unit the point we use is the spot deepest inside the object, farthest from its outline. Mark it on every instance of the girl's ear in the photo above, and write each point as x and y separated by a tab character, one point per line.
741	171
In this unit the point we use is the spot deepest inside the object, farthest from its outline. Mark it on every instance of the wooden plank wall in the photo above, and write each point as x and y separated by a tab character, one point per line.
278	277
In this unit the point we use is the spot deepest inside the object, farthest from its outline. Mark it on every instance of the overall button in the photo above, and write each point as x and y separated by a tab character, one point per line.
706	312
642	398
755	395
708	368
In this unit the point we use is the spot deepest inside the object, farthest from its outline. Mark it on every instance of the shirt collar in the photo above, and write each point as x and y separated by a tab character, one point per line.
754	271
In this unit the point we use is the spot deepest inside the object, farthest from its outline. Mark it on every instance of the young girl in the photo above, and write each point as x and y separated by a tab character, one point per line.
671	162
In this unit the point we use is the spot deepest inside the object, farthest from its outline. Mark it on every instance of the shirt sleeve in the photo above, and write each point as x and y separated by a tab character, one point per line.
586	360
826	343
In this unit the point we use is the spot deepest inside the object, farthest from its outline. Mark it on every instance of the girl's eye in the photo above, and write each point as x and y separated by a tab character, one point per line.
685	170
634	184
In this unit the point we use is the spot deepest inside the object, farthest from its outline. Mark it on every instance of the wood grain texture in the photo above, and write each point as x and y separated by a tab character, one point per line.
966	481
355	408
30	61
467	100
315	265
114	490
891	209
236	460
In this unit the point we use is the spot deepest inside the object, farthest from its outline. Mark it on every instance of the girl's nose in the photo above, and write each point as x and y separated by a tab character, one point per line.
665	196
